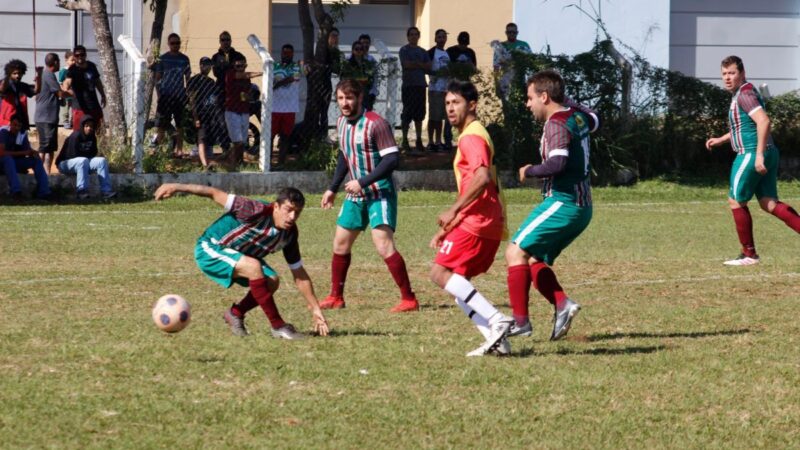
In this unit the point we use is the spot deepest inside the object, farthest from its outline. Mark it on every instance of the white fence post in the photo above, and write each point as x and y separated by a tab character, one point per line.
392	72
139	67
265	152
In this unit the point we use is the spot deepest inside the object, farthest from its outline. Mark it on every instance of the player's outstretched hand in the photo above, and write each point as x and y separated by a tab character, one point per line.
522	171
711	143
166	190
760	167
436	241
327	199
320	324
353	187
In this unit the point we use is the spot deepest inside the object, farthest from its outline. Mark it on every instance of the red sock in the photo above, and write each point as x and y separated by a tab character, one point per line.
339	266
519	283
264	298
744	228
246	304
544	280
788	215
397	267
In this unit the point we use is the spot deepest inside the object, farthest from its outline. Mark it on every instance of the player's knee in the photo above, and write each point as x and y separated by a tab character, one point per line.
439	275
515	255
249	268
767	204
273	283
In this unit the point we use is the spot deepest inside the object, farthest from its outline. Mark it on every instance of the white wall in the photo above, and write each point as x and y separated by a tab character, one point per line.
642	24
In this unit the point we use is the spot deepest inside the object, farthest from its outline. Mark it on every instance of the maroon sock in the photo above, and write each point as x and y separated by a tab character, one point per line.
519	283
397	267
788	215
744	228
246	304
339	266
544	280
264	298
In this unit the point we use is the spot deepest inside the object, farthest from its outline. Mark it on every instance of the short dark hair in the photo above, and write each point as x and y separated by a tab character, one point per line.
463	88
238	57
51	59
333	29
512	24
440	30
364	36
16	117
292	195
463	38
16	64
79	48
289	46
549	81
350	86
731	60
410	29
224	34
172	35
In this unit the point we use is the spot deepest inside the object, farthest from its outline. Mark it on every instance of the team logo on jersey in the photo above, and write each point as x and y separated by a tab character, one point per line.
579	120
359	138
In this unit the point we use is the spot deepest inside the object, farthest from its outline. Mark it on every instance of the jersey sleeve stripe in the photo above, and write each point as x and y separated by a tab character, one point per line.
229	202
558	152
753	111
386	151
296	265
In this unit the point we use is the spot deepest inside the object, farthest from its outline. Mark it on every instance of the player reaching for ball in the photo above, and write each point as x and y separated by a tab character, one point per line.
233	248
472	228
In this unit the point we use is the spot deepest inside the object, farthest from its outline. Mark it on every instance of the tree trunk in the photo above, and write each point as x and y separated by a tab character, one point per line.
114	111
159	7
319	76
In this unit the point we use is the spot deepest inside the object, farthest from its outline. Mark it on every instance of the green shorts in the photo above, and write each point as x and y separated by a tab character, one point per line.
218	262
550	228
355	215
746	182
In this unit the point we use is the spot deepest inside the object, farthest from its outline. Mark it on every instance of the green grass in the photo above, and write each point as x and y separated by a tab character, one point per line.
672	349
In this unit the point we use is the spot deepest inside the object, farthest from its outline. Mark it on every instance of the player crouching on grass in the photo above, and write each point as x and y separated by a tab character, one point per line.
567	207
472	228
233	249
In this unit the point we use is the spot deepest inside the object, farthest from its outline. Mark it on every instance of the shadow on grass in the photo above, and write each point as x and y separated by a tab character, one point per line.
210	359
344	333
530	351
690	335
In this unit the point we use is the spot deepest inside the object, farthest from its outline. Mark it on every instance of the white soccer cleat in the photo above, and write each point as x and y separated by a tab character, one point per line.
287	332
501	348
743	260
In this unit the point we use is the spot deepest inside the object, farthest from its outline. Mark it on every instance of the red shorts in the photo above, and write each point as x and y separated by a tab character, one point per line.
78	114
466	254
282	124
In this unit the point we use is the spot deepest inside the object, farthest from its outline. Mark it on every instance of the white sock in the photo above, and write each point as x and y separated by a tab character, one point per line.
461	288
480	322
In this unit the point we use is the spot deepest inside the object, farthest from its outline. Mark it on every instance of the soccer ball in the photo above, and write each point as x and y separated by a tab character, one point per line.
172	313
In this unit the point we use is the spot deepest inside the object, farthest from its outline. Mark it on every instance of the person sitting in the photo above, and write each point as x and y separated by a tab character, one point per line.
17	156
79	156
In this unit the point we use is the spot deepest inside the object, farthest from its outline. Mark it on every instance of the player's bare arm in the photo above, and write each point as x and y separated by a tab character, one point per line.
762	129
306	287
717	141
479	181
168	190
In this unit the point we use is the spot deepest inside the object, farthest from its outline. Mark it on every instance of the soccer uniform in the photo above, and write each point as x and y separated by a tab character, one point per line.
364	143
744	179
245	229
567	207
470	247
286	99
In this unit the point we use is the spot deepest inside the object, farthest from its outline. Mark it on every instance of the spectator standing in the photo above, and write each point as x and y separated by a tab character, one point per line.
172	72
15	93
65	111
437	89
333	65
81	82
237	107
360	69
372	94
415	62
223	60
47	106
462	54
17	156
203	96
285	99
503	58
79	156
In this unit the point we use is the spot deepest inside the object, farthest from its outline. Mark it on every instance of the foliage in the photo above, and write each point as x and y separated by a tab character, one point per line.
784	114
320	155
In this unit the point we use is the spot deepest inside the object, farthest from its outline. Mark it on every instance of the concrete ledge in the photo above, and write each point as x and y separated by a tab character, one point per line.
245	183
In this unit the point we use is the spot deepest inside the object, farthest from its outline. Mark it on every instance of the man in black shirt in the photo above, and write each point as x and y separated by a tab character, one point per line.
81	81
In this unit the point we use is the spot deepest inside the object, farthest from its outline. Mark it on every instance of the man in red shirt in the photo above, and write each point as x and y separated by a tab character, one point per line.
237	107
472	228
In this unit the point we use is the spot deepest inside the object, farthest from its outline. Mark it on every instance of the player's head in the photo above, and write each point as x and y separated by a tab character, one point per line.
440	37
511	31
288	205
732	72
52	61
461	103
15	69
349	95
287	53
412	34
463	38
225	41
545	93
15	123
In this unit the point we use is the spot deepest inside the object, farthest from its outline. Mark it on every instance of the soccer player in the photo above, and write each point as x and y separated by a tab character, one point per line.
472	228
755	169
369	153
233	248
567	207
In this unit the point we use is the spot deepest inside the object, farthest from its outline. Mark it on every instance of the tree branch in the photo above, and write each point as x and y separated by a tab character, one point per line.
73	5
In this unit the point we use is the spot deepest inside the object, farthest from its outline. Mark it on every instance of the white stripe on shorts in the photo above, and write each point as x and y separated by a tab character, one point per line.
385	210
538	221
214	254
740	172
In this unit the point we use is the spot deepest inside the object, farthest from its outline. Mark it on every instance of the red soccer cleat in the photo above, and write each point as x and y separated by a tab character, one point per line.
332	302
406	306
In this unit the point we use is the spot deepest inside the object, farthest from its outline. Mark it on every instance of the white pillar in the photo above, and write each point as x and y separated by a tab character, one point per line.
265	152
139	66
392	73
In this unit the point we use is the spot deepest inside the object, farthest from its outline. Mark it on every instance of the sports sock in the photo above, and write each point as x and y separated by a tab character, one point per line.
339	266
519	283
744	228
480	323
460	287
264	298
397	267
544	280
788	215
246	304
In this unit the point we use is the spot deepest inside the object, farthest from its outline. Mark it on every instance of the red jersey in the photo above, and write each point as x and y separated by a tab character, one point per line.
484	216
236	93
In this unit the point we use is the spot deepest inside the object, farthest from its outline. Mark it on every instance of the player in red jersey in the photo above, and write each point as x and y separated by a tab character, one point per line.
472	228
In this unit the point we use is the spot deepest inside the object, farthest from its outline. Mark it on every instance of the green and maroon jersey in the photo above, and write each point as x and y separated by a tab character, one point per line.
247	227
744	134
566	133
364	142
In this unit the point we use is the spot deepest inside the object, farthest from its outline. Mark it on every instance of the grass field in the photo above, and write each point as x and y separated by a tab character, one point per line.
672	349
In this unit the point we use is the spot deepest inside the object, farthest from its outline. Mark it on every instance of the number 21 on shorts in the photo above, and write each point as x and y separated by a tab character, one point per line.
446	247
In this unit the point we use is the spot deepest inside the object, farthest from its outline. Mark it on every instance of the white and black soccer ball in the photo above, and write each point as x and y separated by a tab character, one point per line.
172	313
